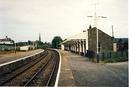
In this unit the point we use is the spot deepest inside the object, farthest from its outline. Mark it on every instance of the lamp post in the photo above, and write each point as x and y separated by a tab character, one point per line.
15	47
95	24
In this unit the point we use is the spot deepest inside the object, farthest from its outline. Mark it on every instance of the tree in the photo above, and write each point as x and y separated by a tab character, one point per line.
56	42
125	45
47	45
39	44
30	42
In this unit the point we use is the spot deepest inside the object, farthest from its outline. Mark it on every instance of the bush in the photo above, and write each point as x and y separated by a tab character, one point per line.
113	60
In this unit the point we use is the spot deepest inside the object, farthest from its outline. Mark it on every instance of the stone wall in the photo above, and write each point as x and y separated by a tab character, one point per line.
105	41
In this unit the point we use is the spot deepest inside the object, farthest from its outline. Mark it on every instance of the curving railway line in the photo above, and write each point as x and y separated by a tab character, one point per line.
41	71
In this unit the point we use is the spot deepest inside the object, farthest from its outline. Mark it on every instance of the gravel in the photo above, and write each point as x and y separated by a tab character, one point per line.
12	56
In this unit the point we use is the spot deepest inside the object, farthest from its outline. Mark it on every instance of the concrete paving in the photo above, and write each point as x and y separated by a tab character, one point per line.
88	74
12	56
66	77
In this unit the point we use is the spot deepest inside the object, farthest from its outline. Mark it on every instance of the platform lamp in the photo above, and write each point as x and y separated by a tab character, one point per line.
95	24
15	46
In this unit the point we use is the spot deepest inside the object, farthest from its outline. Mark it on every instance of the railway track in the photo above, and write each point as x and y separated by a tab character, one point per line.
39	72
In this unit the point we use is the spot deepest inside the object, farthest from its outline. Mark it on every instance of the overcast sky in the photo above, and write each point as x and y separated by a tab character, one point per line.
22	20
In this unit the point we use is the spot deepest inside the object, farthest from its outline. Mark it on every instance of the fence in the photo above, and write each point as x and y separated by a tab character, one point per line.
114	56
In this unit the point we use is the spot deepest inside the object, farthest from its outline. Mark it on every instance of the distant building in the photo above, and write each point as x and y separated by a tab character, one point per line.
27	48
6	40
85	43
6	44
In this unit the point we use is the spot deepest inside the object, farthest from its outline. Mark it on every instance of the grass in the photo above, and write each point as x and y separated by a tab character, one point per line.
113	60
6	52
109	60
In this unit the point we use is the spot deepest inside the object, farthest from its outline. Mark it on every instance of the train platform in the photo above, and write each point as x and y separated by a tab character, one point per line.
14	56
77	70
66	77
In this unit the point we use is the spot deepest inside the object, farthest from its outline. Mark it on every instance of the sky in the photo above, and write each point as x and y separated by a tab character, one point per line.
23	20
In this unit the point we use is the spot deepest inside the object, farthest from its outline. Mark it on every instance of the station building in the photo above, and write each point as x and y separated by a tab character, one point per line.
85	43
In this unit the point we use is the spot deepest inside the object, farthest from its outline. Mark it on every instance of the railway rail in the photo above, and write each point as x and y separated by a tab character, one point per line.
41	71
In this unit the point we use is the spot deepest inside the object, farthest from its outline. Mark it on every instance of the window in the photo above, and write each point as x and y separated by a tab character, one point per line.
99	46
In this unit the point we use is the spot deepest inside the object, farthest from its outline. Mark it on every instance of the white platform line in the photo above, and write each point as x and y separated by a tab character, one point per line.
19	59
58	73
